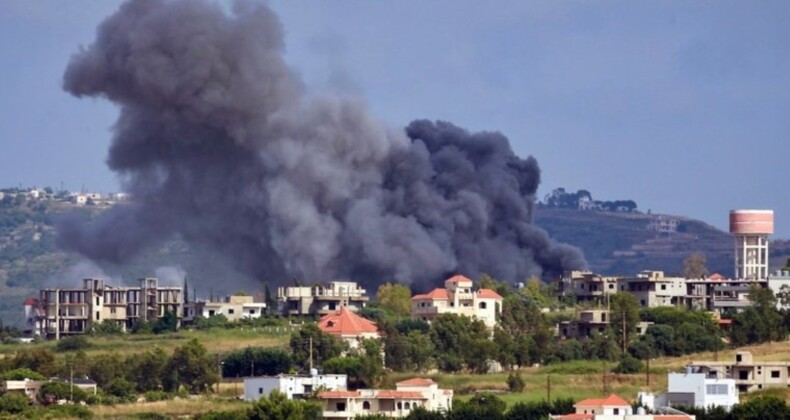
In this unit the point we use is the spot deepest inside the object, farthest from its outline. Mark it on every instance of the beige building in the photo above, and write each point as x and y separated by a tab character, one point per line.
458	297
586	286
407	396
748	374
320	299
74	311
653	289
592	321
234	308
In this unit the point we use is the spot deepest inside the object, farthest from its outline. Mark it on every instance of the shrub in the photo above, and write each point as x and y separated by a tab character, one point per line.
69	411
73	343
152	396
515	382
122	389
628	364
14	403
106	328
51	392
215	321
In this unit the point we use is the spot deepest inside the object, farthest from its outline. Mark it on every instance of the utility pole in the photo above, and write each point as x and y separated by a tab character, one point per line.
624	334
647	372
252	368
548	388
311	354
71	382
605	385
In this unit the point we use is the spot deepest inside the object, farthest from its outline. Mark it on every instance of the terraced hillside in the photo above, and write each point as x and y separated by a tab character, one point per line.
622	243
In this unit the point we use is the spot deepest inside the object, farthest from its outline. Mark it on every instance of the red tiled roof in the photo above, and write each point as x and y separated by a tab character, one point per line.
716	277
435	294
725	321
338	394
576	417
488	294
610	401
31	302
416	382
670	417
345	323
388	393
457	278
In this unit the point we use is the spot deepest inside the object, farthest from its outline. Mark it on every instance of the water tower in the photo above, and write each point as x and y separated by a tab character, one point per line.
751	229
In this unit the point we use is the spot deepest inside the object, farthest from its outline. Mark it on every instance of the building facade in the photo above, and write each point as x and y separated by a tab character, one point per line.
748	375
234	308
407	396
458	297
63	312
652	289
320	299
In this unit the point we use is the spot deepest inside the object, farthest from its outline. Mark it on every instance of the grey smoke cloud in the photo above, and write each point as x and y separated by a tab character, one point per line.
219	144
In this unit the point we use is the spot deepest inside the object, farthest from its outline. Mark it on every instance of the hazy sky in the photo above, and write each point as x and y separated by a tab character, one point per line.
682	106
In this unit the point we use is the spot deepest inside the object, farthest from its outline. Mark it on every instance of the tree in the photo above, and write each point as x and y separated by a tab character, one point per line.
695	266
482	406
628	364
105	367
759	323
121	388
324	346
515	382
278	407
21	374
15	404
149	370
256	361
38	359
76	342
460	342
192	367
624	310
51	392
395	297
167	323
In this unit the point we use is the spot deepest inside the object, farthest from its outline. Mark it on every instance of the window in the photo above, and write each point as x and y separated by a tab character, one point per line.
611	286
98	315
97	300
482	305
341	406
331	306
408	406
252	311
738	358
366	405
112	310
211	312
400	405
663	287
616	411
260	391
231	311
775	374
642	302
716	389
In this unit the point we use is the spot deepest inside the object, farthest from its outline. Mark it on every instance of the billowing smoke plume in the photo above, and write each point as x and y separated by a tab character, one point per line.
219	144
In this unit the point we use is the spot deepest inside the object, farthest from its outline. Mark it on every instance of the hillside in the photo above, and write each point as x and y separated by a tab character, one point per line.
613	243
622	244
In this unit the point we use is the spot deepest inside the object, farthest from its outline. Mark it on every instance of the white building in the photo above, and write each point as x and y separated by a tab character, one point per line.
293	386
408	395
614	407
457	297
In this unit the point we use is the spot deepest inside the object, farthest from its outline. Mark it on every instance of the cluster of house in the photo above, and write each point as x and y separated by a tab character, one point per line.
30	387
78	198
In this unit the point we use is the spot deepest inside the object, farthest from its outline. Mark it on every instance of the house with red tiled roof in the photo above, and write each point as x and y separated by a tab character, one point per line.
458	297
613	407
348	326
399	402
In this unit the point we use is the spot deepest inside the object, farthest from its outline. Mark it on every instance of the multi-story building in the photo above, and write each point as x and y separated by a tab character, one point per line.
592	321
74	311
585	286
694	389
293	386
407	396
320	299
234	308
720	294
748	374
653	289
458	297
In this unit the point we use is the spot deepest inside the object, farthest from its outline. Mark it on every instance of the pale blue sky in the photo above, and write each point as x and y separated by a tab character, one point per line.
682	106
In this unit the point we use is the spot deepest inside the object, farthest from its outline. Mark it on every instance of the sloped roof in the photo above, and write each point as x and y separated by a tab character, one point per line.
576	417
488	294
416	382
346	323
458	278
716	277
338	394
435	294
610	401
31	302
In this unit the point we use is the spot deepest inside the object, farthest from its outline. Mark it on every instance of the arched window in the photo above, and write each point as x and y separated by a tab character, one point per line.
366	405
482	305
408	406
400	405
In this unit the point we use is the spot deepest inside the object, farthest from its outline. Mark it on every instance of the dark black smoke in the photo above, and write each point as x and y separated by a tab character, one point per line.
218	144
